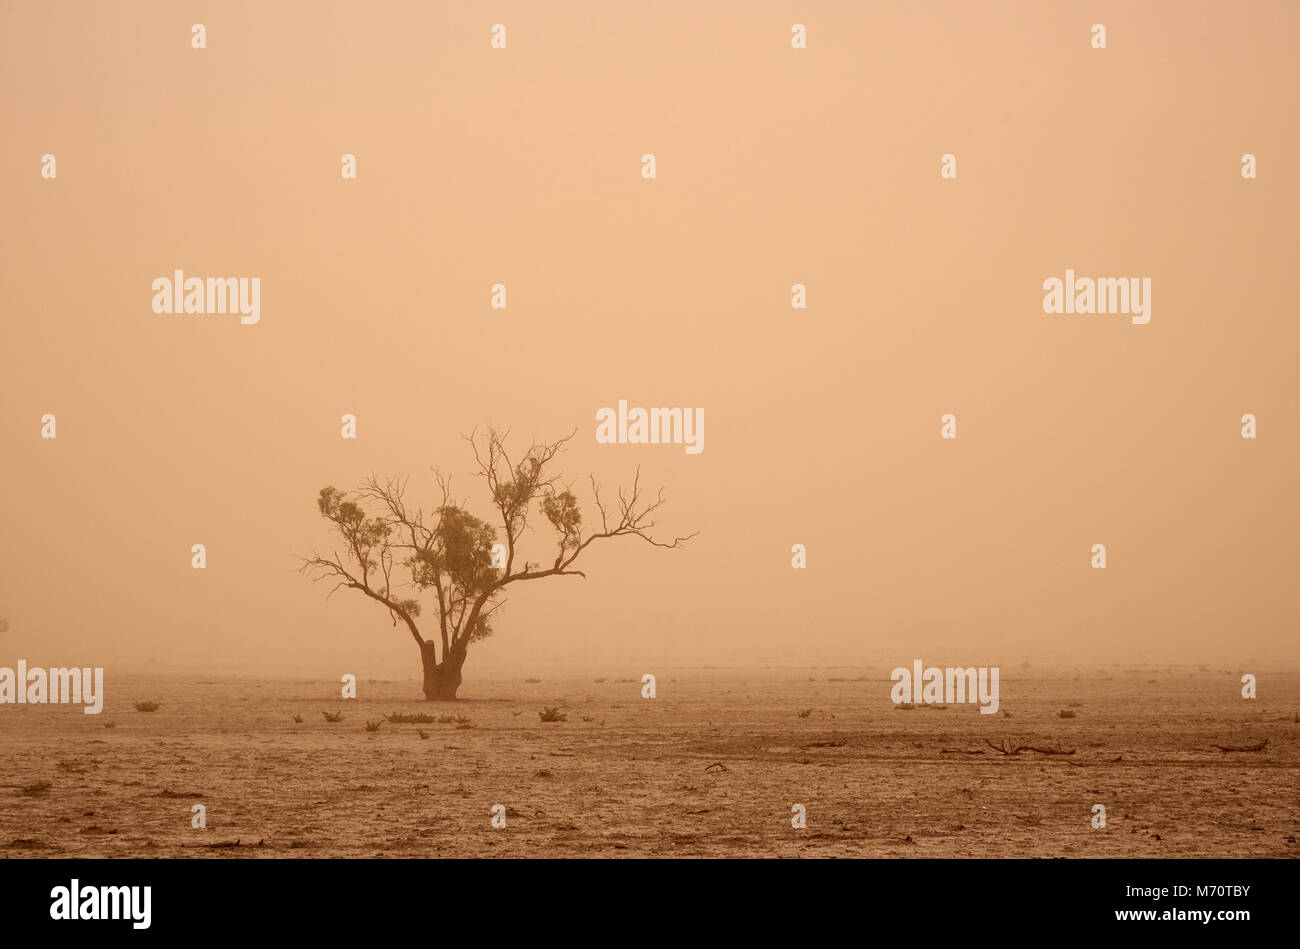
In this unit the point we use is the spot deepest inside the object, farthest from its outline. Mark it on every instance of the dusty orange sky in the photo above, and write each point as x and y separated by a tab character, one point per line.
775	166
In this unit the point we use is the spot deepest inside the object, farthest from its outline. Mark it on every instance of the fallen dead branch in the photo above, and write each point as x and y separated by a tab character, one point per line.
1259	747
1058	750
1007	747
225	844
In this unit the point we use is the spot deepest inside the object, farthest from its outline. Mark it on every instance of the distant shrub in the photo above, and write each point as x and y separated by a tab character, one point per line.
424	736
1066	713
419	718
532	680
298	719
373	726
110	724
446	719
146	706
904	706
552	715
805	712
461	719
333	716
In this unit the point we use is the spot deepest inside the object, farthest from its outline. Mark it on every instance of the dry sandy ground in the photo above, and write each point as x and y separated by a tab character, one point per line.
629	776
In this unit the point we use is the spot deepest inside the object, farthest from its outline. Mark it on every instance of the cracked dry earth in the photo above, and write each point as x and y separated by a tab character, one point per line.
710	767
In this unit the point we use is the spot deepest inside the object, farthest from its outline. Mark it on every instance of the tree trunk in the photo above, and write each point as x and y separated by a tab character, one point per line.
441	679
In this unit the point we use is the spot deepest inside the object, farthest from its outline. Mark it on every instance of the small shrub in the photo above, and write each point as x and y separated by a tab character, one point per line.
333	716
552	715
373	726
298	719
146	706
424	736
110	724
1066	713
532	680
419	718
805	712
446	719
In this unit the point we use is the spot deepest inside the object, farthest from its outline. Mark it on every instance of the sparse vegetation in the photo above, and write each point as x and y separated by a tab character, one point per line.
373	726
549	714
805	712
297	719
146	706
419	718
333	716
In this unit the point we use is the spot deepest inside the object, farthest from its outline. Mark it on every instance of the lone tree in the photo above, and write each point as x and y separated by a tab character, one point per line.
388	546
